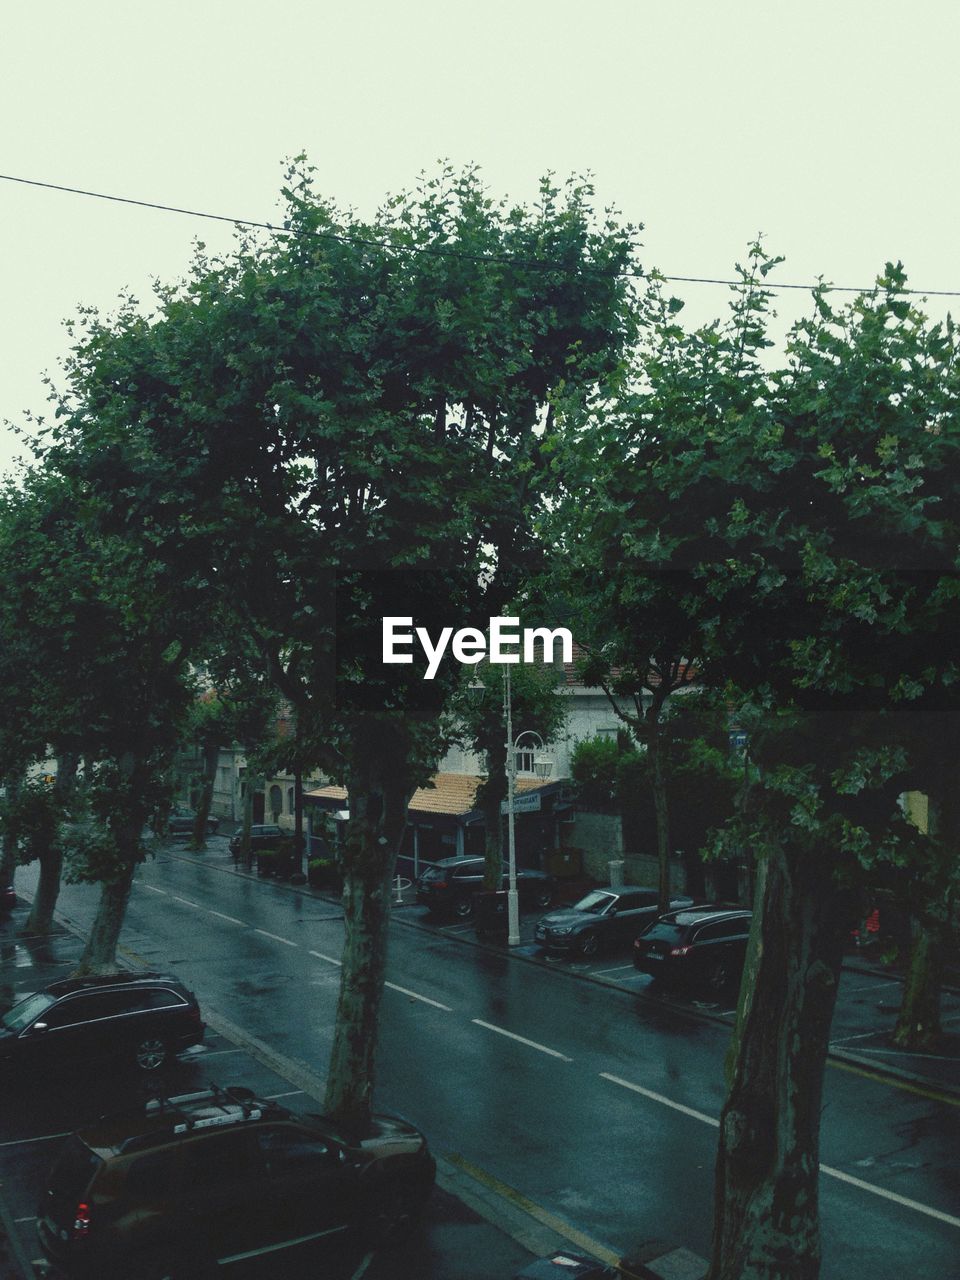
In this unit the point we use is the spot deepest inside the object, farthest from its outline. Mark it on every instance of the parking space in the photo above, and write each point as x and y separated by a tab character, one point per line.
40	1112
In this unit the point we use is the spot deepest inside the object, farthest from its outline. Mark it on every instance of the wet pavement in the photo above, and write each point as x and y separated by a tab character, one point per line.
562	1061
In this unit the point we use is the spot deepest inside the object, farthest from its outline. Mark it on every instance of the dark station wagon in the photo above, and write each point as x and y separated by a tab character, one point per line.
704	946
139	1018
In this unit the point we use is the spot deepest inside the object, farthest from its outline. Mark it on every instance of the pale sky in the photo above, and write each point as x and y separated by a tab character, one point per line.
830	127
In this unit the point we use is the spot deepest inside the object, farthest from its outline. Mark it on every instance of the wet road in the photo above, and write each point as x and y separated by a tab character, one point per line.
598	1106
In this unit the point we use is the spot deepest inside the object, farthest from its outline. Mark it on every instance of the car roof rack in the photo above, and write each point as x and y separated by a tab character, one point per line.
224	1106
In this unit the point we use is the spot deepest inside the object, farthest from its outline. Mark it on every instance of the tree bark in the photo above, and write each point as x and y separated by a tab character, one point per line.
211	758
8	841
40	920
100	953
918	1022
660	802
766	1217
377	811
494	792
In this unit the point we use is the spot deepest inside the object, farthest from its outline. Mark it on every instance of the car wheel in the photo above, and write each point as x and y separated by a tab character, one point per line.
543	897
394	1213
589	944
463	908
151	1053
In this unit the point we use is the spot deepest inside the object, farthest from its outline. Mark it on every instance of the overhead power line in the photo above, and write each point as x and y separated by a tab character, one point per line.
446	252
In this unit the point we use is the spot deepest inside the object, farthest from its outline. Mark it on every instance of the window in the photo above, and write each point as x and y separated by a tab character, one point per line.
288	1151
723	929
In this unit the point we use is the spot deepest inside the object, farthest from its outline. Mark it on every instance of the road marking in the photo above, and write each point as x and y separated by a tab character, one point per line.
536	1211
872	986
864	1035
186	902
416	996
46	1137
362	1269
457	928
153	889
329	959
291	1093
216	1053
33	1219
906	1053
618	969
232	919
882	1192
951	1100
658	1097
891	1195
532	1044
285	941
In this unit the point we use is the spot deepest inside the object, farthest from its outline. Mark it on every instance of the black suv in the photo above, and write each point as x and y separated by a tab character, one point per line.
604	918
264	835
703	946
143	1018
449	885
199	1181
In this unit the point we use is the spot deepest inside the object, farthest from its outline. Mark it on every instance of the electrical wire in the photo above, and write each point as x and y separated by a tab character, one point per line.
453	253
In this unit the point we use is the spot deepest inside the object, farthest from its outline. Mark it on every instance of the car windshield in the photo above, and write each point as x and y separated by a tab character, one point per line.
595	902
22	1014
664	931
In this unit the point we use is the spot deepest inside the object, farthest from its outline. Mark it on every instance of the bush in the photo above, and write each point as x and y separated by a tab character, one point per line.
322	873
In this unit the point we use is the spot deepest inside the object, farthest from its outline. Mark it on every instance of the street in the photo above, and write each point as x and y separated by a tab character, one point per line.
593	1102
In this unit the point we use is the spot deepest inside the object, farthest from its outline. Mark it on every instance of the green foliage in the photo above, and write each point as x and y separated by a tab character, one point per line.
595	765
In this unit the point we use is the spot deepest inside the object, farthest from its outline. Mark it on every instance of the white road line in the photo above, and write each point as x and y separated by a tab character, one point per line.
46	1137
873	986
216	1053
329	959
291	1093
416	996
33	1219
658	1097
285	941
456	928
361	1271
532	1044
153	889
824	1168
905	1053
864	1035
186	902
890	1195
232	919
618	969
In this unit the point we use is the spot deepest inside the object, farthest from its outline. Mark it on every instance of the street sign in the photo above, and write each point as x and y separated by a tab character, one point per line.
528	803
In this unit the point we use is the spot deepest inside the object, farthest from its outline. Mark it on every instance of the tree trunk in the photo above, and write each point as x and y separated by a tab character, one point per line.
211	758
40	920
100	953
660	803
766	1216
918	1023
377	811
8	841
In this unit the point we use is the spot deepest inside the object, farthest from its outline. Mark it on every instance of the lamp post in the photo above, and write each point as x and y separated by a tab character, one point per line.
542	766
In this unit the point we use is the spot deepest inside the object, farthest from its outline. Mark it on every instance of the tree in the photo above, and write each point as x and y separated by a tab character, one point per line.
342	423
771	524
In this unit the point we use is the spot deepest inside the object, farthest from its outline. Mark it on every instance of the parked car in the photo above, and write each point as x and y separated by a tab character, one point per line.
604	918
181	822
8	897
704	946
263	835
194	1182
448	887
143	1019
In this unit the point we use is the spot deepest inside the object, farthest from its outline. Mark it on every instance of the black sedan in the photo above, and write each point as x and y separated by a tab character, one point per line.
449	886
604	918
705	946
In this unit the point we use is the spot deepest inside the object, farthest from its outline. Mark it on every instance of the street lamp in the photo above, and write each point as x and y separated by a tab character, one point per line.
542	765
